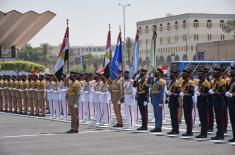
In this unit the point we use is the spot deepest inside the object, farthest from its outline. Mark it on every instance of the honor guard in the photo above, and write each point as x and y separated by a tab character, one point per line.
142	98
14	92
63	101
73	98
173	93
202	102
218	92
1	93
116	95
157	90
129	99
41	86
105	96
230	94
96	97
19	95
24	94
31	94
187	92
49	90
210	106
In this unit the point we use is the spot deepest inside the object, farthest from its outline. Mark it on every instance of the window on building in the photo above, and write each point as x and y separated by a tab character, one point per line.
140	30
154	27
176	25
161	27
195	23
191	48
222	37
146	29
176	38
161	40
184	37
195	36
168	40
221	23
184	24
168	26
209	36
209	24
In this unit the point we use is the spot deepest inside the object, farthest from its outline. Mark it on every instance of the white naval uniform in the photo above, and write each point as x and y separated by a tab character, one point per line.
56	99
87	101
96	98
50	98
63	101
105	102
129	100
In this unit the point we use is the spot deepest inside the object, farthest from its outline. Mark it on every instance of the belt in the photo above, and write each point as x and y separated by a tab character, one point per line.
116	90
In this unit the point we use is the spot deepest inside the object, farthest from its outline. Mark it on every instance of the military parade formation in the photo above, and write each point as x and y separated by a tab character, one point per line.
90	98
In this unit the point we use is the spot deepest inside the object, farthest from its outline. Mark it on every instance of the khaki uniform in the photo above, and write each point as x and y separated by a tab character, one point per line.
31	97
24	95
4	93
116	95
1	95
9	96
41	86
13	94
19	96
73	97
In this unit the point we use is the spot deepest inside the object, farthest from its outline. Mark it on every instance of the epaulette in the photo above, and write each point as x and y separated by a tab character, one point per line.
162	81
222	82
191	83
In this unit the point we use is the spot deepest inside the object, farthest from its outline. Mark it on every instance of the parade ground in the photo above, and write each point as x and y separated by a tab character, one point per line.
30	135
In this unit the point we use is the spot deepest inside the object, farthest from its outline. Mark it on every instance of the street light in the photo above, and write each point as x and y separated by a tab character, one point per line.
124	27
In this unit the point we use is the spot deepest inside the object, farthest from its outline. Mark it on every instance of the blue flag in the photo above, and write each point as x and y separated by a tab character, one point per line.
135	62
117	58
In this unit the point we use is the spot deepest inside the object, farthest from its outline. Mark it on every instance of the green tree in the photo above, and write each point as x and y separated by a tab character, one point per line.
229	26
30	53
45	47
128	46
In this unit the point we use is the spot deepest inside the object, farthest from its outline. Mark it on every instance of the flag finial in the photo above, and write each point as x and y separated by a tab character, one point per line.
120	28
109	27
67	22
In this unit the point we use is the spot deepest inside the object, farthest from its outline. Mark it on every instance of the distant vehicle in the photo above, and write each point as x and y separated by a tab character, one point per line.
195	65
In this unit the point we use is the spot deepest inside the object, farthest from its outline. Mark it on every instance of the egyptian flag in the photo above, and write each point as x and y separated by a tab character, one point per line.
108	49
63	55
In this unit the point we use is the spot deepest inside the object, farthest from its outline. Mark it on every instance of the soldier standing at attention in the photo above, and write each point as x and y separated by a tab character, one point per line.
142	98
1	93
202	102
31	94
14	92
18	94
230	94
41	94
116	94
173	93
187	91
73	98
218	92
157	90
24	94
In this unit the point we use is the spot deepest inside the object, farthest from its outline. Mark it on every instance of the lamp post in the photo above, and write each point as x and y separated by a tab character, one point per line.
124	28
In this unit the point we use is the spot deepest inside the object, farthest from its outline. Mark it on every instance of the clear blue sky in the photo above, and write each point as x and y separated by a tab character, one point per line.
89	19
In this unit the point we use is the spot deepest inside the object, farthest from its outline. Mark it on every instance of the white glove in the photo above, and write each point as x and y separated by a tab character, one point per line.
145	103
228	94
181	94
168	93
211	92
198	94
160	105
75	105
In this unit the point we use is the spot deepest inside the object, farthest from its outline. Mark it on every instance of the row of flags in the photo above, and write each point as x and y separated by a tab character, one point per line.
112	65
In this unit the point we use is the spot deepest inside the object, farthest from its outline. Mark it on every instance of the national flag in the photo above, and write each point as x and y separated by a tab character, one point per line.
107	56
135	62
153	50
117	58
63	55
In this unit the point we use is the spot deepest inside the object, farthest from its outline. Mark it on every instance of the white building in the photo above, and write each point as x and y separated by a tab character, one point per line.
178	35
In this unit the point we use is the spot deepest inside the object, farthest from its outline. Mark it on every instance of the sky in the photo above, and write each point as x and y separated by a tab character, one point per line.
89	19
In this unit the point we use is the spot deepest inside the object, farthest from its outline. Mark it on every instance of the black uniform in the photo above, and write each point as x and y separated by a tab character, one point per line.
142	96
231	106
203	106
174	88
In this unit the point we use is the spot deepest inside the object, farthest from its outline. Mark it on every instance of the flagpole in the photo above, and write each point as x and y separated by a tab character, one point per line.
122	65
67	22
110	54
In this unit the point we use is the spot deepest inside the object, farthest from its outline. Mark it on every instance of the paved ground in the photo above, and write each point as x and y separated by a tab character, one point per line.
24	135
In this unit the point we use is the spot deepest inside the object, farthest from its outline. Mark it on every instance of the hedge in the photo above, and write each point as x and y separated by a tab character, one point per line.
21	66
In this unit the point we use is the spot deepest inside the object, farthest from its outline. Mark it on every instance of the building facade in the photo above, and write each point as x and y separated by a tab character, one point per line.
216	50
178	35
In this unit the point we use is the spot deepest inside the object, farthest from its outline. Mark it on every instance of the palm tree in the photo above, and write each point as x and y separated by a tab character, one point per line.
45	48
128	45
229	26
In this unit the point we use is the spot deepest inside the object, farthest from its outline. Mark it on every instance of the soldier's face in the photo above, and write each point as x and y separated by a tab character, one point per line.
126	76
